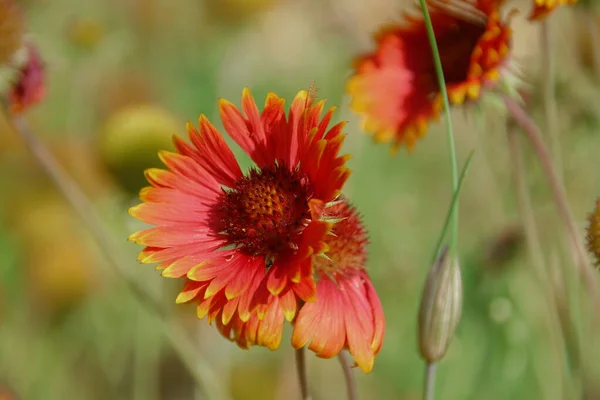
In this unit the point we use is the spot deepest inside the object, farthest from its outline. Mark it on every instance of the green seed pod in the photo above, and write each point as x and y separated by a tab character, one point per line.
441	306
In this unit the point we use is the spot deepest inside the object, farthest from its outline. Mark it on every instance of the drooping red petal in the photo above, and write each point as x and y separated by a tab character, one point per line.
344	315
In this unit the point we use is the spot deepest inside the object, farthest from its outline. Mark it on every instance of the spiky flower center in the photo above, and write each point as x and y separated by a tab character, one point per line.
347	251
455	49
593	233
265	211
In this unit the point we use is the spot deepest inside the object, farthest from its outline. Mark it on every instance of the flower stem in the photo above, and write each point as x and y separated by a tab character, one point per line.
449	129
550	108
180	342
348	376
581	258
429	389
556	313
301	369
463	173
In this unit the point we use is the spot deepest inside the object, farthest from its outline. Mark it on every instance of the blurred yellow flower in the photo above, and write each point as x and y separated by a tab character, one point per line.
85	32
131	140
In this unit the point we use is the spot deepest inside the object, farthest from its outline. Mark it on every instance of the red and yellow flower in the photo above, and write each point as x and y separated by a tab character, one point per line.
541	8
395	88
245	242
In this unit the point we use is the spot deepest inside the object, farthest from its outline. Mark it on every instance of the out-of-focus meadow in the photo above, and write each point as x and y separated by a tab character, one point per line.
123	75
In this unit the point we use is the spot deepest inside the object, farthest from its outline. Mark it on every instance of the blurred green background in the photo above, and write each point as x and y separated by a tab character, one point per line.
122	75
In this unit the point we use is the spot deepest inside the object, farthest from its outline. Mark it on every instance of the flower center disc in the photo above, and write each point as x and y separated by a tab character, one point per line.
265	211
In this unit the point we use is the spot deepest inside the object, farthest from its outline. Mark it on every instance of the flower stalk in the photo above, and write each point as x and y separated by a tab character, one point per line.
581	258
549	95
351	388
449	128
302	375
428	393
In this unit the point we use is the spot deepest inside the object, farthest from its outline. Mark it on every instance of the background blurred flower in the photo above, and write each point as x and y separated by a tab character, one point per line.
240	246
542	8
237	10
85	32
59	270
29	86
130	141
395	89
593	233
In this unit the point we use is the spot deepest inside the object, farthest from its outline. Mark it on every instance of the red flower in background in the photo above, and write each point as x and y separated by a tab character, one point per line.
240	240
541	8
28	89
346	314
395	88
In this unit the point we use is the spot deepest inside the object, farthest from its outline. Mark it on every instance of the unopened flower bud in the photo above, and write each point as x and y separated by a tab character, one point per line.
441	306
593	233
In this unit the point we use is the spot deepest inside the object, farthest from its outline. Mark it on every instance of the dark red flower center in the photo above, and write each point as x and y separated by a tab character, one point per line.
265	211
455	47
456	40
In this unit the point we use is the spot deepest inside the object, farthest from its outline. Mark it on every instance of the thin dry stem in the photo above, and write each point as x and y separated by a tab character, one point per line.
550	108
302	377
346	364
556	313
83	207
579	253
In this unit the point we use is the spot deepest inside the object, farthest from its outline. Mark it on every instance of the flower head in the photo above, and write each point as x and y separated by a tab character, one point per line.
241	239
29	87
541	8
593	233
347	313
395	88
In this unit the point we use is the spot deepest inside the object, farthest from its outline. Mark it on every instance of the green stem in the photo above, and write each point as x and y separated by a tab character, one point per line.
449	129
429	389
351	389
560	197
302	376
550	107
461	179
